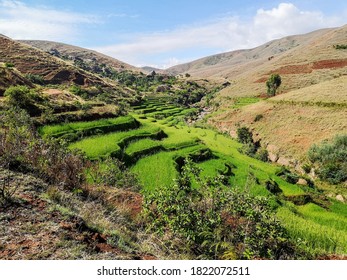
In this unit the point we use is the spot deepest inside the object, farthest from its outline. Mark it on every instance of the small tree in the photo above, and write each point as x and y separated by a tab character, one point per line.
244	135
273	84
18	96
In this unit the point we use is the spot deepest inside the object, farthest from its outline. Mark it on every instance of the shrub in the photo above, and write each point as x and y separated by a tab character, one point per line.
262	154
36	79
340	47
248	149
24	98
21	149
273	84
9	65
258	117
329	159
244	135
215	222
287	175
113	173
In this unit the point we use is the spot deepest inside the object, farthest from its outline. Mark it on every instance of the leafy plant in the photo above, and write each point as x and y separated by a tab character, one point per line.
22	150
340	47
36	79
213	221
24	98
329	158
273	84
9	65
113	173
258	117
244	135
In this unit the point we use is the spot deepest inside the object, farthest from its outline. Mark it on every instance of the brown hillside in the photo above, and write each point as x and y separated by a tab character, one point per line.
292	122
301	60
312	101
73	52
27	59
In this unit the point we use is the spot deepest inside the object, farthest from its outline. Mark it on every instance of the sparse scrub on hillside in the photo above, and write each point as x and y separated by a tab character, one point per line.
22	150
340	47
329	159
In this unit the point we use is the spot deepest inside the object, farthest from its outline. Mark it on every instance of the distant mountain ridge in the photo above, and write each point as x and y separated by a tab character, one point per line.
301	60
27	60
72	53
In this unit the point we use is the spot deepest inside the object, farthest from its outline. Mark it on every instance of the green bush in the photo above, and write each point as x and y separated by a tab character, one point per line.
287	175
273	84
214	222
258	117
24	98
340	47
36	79
9	65
262	154
329	159
113	173
244	135
22	150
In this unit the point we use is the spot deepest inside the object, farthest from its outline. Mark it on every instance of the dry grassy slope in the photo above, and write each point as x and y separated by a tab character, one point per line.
301	60
312	105
85	54
292	122
28	59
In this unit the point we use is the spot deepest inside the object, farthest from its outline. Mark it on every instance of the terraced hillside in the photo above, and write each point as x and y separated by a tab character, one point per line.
154	140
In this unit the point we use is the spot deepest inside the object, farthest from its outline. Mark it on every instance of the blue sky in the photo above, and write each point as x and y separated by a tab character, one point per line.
164	33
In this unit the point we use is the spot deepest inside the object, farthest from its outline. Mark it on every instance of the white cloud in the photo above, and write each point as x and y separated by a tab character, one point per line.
19	21
222	34
287	19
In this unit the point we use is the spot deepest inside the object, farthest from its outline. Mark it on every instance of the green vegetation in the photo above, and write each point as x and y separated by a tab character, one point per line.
330	159
22	150
24	98
89	128
340	47
212	222
110	144
222	206
272	84
9	65
36	79
244	101
245	136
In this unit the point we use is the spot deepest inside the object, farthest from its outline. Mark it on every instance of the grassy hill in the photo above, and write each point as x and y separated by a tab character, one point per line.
301	60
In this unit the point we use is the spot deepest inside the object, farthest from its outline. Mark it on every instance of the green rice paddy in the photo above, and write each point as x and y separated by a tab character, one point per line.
160	137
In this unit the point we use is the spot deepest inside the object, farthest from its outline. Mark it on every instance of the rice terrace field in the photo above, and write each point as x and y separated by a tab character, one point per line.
153	139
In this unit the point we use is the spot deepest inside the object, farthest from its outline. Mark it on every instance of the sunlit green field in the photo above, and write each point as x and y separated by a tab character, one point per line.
161	137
